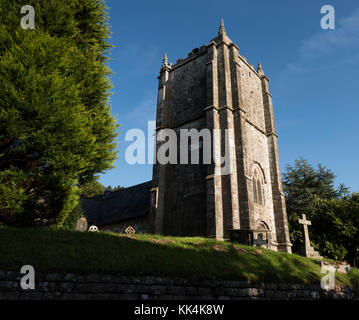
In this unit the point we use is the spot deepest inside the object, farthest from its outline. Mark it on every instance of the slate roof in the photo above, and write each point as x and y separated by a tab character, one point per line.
112	207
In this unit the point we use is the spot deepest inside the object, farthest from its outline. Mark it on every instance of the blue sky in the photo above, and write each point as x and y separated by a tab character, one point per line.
314	73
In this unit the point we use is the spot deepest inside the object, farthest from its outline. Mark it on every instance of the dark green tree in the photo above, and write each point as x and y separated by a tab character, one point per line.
56	129
335	227
88	189
302	183
117	188
71	220
92	188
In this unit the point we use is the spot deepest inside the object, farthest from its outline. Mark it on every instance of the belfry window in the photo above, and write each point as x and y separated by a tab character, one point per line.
258	187
259	191
255	191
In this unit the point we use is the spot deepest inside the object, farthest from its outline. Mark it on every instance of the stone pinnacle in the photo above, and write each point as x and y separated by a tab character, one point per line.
222	29
260	69
165	60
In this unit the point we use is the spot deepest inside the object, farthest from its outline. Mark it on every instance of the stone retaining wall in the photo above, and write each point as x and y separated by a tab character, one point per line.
109	287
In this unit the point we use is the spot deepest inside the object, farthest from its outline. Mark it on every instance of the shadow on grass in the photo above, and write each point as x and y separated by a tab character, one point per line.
107	253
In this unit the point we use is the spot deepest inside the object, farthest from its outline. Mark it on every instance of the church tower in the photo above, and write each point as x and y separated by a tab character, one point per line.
216	88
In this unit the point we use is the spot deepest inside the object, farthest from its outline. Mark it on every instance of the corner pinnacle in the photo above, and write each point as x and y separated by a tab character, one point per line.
165	61
260	69
222	29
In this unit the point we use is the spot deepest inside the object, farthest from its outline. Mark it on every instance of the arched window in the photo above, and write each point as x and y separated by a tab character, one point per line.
259	191
255	191
258	187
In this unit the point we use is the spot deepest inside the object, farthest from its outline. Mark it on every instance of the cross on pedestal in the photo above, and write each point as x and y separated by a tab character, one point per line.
309	251
305	224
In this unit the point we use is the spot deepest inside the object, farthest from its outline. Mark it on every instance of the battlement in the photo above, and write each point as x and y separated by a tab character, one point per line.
196	52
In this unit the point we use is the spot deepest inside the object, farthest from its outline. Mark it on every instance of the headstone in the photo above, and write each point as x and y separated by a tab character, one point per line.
93	229
130	230
340	267
308	249
259	241
81	224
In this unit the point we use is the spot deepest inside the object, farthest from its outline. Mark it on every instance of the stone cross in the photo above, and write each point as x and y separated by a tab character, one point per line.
305	224
309	251
259	241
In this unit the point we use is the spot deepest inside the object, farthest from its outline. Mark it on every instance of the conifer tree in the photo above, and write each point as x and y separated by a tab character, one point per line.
302	184
56	129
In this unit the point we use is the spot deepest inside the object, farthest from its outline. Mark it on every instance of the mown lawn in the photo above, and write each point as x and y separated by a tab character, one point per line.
77	252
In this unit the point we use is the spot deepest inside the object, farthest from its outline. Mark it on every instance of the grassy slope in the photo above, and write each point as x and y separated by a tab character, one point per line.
69	251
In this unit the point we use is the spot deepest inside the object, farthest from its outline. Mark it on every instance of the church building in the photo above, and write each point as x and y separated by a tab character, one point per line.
214	87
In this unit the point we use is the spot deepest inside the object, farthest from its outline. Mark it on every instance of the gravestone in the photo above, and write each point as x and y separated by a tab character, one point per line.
308	249
81	224
130	230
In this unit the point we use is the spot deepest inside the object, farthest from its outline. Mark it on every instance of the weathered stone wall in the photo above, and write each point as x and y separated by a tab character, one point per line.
252	98
186	92
182	187
258	156
256	153
185	197
110	287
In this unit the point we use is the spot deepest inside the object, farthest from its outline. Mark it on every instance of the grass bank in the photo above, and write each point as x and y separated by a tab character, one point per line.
77	252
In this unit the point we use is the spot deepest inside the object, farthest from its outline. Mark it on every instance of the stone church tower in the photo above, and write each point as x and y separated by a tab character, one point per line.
216	88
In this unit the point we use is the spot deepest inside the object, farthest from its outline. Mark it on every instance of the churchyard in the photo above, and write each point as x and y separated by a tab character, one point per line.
61	251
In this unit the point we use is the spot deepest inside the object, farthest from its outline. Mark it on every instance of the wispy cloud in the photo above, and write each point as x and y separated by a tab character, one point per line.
324	42
140	59
341	43
144	111
353	60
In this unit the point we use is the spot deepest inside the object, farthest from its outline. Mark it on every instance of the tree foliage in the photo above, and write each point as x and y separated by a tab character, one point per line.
116	188
71	220
92	188
56	129
335	227
89	189
312	191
